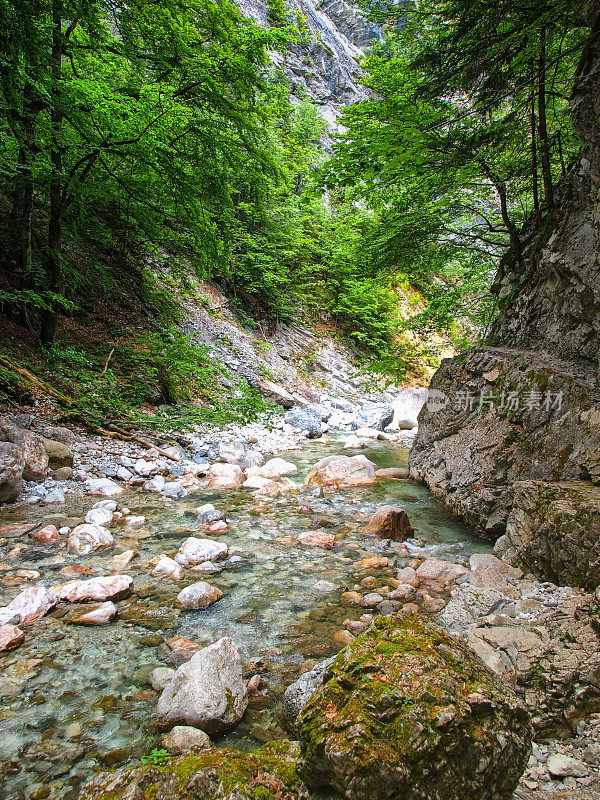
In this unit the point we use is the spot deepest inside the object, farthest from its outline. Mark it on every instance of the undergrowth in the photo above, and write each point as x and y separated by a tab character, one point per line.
153	379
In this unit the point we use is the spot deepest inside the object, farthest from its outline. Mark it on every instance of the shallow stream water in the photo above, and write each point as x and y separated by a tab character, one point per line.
74	699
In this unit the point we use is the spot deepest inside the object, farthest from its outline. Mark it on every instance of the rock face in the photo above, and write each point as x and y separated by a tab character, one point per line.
207	692
390	522
269	774
406	711
342	471
12	464
524	406
553	530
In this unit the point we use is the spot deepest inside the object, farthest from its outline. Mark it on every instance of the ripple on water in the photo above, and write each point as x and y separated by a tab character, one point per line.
74	698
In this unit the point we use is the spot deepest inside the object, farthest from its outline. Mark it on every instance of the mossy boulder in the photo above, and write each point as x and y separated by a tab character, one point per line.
267	774
408	712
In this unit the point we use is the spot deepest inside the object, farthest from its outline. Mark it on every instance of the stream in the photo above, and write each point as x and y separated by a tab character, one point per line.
74	698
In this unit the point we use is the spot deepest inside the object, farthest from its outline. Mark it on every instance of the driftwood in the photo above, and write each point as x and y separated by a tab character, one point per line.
29	376
113	431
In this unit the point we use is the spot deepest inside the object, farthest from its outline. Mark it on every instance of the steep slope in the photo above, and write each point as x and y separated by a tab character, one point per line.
325	65
525	407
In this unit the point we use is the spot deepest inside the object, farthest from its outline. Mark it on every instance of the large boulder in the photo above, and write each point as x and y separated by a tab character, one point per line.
407	711
305	420
553	531
374	415
342	471
207	692
34	453
59	454
390	522
268	773
12	464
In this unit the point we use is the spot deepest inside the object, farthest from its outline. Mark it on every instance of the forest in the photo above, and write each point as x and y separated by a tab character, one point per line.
299	399
146	144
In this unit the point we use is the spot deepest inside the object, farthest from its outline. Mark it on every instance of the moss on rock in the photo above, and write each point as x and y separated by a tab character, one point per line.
408	712
267	774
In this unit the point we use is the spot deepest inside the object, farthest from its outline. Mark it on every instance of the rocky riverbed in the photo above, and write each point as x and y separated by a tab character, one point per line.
113	590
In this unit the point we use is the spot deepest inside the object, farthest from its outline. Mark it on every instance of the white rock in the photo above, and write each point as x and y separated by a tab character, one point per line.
109	587
104	486
111	505
355	443
273	469
55	495
174	491
123	474
145	468
100	615
85	538
195	551
99	516
198	595
28	606
122	559
183	739
169	568
157	484
135	522
225	476
563	766
160	677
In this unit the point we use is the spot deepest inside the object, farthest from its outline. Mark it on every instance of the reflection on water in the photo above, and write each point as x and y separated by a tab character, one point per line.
76	698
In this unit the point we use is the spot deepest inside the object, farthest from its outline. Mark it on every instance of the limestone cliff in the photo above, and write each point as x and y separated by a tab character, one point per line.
525	407
324	66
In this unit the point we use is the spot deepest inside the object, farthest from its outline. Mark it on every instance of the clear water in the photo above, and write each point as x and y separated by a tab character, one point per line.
75	699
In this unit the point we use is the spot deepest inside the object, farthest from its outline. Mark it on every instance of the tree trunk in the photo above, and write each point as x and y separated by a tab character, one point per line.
534	157
49	318
542	125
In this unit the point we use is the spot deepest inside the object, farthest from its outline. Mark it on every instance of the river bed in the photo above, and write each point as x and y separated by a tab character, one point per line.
75	698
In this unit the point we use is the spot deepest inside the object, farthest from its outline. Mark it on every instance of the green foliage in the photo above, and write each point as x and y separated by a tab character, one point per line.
157	757
466	132
276	11
120	380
